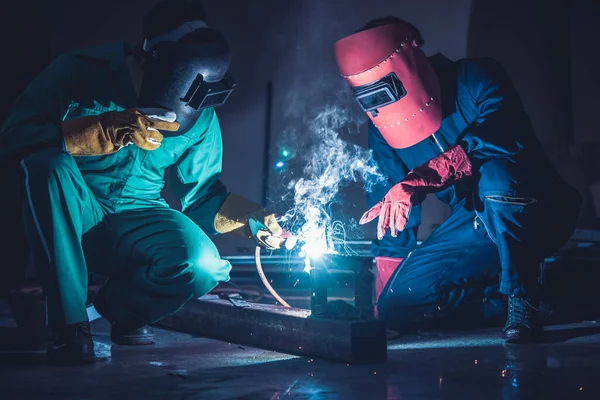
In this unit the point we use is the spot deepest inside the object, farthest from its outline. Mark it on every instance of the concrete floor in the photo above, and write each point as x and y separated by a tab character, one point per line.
473	365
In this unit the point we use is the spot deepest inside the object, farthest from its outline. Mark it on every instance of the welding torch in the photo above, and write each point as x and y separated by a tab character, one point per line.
268	239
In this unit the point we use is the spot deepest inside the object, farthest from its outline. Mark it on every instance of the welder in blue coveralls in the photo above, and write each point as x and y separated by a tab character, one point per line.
458	130
93	135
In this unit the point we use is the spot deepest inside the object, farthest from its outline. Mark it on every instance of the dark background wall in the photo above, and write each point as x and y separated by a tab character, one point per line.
548	48
26	44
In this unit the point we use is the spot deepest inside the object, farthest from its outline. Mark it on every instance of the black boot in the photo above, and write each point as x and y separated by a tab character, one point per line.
131	334
524	322
72	345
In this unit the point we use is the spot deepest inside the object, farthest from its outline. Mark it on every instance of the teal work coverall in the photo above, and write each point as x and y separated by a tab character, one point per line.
105	214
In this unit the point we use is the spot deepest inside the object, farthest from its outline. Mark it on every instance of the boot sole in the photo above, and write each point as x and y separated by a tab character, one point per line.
133	340
532	338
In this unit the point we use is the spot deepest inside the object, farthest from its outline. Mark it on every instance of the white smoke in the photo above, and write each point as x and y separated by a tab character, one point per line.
319	112
330	163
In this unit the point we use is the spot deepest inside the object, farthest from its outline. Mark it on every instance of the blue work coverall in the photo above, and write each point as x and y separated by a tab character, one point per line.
511	213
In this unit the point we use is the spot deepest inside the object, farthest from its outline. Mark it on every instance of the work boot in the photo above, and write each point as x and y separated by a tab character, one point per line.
72	345
524	322
131	334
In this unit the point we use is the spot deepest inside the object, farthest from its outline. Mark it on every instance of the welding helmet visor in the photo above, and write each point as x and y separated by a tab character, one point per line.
187	75
393	82
373	96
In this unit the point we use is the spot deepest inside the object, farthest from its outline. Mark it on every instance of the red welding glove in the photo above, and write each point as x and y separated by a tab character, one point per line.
433	176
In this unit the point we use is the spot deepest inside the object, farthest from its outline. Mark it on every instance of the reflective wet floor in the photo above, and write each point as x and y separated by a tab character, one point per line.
465	365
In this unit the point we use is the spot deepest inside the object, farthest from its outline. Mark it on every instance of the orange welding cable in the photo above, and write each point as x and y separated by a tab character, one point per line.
264	280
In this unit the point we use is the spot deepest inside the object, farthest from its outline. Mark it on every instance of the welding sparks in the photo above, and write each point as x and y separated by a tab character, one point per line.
287	392
314	236
329	164
307	266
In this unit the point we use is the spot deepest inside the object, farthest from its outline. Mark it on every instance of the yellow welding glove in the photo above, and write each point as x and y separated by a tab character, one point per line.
110	131
246	218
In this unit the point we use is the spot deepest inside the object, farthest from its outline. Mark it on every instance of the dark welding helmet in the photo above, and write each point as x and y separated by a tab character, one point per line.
186	72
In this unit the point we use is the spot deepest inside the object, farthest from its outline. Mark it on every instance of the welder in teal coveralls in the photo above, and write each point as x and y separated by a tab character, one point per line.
93	135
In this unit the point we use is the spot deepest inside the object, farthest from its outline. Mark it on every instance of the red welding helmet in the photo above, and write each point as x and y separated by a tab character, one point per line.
393	82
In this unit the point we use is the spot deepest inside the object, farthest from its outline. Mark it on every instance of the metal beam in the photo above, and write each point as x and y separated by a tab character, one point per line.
287	330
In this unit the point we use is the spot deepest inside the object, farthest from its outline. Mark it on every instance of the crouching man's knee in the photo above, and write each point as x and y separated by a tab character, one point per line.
200	268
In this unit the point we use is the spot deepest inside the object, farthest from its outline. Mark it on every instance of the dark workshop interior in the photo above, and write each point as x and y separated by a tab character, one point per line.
226	199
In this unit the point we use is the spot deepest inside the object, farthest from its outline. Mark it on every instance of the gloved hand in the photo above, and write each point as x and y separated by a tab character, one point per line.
267	233
108	132
242	216
433	176
385	268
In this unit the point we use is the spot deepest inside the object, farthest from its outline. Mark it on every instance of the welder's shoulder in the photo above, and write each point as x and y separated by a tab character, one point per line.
207	126
476	73
64	65
479	67
70	65
110	55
